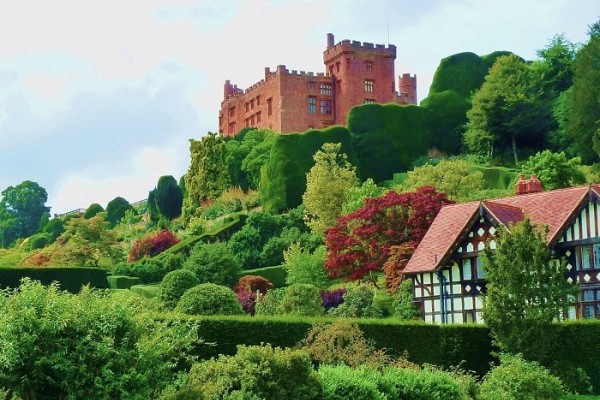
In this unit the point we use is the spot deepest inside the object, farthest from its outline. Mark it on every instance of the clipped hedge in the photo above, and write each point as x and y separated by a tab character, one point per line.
497	177
70	279
122	281
276	275
148	291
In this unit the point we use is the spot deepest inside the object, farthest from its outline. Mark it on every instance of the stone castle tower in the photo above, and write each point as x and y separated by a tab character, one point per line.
291	101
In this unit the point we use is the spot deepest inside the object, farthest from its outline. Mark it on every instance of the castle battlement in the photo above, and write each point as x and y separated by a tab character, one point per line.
357	46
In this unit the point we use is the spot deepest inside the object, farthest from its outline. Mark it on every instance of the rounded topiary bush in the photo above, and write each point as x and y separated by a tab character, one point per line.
214	263
175	284
516	378
39	241
301	299
92	210
209	299
341	382
269	303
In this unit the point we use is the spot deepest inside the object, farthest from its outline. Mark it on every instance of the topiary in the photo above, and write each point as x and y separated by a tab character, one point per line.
209	299
301	299
92	210
39	241
116	209
175	284
214	263
253	283
516	378
55	227
425	384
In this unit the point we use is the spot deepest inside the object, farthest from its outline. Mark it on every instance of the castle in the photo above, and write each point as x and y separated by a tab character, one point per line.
291	101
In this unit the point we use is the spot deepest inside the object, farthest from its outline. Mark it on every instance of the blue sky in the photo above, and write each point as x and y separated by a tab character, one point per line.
99	98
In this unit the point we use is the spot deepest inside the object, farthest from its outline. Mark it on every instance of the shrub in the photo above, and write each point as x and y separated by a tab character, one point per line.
425	384
209	299
247	301
341	382
151	270
518	379
92	210
175	284
332	298
269	304
306	267
39	241
404	307
253	283
301	299
342	343
255	372
213	263
116	209
55	227
358	303
152	245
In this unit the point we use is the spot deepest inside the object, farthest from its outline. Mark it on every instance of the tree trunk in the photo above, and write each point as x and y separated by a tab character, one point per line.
514	149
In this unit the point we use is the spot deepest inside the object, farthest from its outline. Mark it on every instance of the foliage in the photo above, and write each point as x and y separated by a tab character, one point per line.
21	208
277	275
424	384
526	290
151	270
404	307
253	284
71	279
453	177
152	245
175	284
327	183
583	118
255	372
358	303
246	155
394	266
341	382
207	175
166	199
58	345
356	195
301	299
507	112
209	299
361	241
305	267
55	227
116	209
270	303
283	177
39	241
554	170
342	343
462	73
332	298
518	379
92	210
214	263
122	281
247	301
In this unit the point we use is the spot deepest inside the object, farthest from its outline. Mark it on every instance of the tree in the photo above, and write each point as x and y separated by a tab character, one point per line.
356	195
116	209
208	174
23	206
92	210
554	170
360	243
526	290
165	199
506	112
583	120
305	267
453	177
556	64
327	183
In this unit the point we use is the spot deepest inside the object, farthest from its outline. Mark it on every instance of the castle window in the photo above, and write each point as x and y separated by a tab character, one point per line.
369	66
257	101
247	107
252	104
326	107
258	117
369	86
312	104
231	112
231	128
369	101
247	122
269	106
326	88
311	85
252	120
337	66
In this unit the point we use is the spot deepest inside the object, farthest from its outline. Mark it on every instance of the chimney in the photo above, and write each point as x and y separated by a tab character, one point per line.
534	185
330	40
521	186
267	72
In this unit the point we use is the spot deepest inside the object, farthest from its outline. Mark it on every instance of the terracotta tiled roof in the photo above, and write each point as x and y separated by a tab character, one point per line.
554	208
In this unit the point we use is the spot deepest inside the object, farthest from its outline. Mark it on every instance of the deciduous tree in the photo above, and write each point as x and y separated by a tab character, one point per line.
554	170
22	208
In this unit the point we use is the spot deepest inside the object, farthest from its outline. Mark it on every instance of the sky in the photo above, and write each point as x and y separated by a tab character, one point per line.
99	99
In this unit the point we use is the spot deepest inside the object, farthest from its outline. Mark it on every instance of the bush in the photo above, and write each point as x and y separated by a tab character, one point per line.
116	209
270	303
301	299
214	263
358	303
404	307
306	267
175	284
276	275
39	241
122	281
425	384
209	299
255	372
341	382
332	298
55	227
152	245
92	210
253	283
247	301
150	270
518	379
70	279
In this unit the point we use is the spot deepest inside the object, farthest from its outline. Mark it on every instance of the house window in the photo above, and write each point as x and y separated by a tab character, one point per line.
312	104
326	88
368	86
311	85
369	101
467	269
480	270
326	107
369	66
589	311
588	257
231	128
269	106
247	122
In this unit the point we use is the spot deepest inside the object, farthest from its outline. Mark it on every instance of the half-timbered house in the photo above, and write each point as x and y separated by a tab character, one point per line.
446	267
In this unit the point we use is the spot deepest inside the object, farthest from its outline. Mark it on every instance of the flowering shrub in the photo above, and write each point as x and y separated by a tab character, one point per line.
247	301
252	283
332	298
151	245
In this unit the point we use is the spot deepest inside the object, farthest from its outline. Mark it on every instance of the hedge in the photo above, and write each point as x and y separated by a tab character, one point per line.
276	275
69	278
497	177
149	291
462	73
122	281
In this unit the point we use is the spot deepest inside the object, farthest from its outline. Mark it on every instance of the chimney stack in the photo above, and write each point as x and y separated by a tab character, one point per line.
330	40
525	186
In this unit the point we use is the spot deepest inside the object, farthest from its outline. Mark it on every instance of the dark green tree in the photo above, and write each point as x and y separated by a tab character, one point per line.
583	119
23	206
507	112
92	210
214	263
526	290
116	209
166	199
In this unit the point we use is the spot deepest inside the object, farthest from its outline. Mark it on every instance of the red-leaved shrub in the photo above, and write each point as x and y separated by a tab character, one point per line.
247	301
151	245
252	283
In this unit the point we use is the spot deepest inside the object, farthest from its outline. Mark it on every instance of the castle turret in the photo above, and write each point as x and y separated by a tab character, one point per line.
227	89
330	40
408	89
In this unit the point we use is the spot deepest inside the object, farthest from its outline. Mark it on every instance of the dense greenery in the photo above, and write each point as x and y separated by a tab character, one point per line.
166	199
21	209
